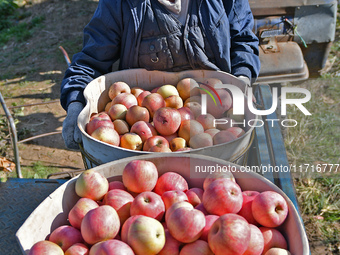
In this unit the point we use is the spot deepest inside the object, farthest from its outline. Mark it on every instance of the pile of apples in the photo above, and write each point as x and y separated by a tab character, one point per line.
148	214
166	119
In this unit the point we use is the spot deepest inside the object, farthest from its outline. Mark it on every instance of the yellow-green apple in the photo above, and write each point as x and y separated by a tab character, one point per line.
117	111
207	120
199	247
225	123
194	195
172	246
46	247
174	101
121	126
222	196
187	87
78	211
186	224
144	129
223	136
170	181
126	99
77	249
146	236
136	91
121	201
107	135
194	107
230	114
136	113
218	109
153	102
200	140
111	247
141	96
117	88
154	140
167	120
173	196
148	203
273	238
190	128
212	131
100	224
186	113
108	106
101	119
209	221
277	251
202	208
65	236
177	143
140	175
270	209
256	242
117	185
246	211
237	131
91	184
229	235
176	205
167	90
131	141
217	175
160	148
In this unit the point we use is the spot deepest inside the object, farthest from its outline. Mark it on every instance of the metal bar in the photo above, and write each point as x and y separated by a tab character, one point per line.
26	105
39	136
13	131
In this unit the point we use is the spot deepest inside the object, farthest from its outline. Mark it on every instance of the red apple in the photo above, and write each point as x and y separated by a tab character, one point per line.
195	196
153	102
174	101
160	148
100	224
229	235
207	120
98	120
246	212
194	107
117	185
176	205
172	196
222	196
223	136
154	140
111	247
200	141
212	131
167	120
186	113
107	135
273	238
136	113
256	243
117	88
131	141
172	246
126	99
77	249
199	247
190	128
202	209
277	251
65	236
121	126
170	181
136	91
209	221
78	211
187	87
217	175
217	110
124	233
236	131
144	129
148	203
46	247
141	96
269	209
91	184
117	111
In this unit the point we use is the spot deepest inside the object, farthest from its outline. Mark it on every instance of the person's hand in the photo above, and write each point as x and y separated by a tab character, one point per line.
71	133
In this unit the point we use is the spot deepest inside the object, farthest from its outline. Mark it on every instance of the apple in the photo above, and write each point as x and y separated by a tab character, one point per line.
186	224
196	99
217	175
194	195
136	91
153	102
146	236
107	135
225	123
46	247
121	126
212	131
174	101
111	247
230	114
237	131
167	90
199	247
209	221
167	120
189	128
141	96
117	111
98	120
186	113
136	113
223	136
154	140
207	120
65	236
78	211
131	141
77	249
124	233
256	243
269	209
195	108
273	238
217	110
117	88
126	99
107	106
144	129
177	143
172	196
91	184
202	208
229	235
176	205
212	82
201	140
170	137
121	201
246	211
172	246
170	181
148	203
140	175
160	148
117	185
277	251
100	224
187	87
222	196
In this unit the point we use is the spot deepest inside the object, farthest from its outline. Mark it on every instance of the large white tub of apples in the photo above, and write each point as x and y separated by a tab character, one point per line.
137	112
165	205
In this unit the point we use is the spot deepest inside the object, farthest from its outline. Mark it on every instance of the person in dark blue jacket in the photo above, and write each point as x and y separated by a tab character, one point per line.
165	35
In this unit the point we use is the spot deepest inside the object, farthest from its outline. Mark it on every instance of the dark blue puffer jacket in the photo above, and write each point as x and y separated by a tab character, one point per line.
114	33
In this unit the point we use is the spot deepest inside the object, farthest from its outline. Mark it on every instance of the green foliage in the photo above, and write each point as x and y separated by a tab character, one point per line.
7	9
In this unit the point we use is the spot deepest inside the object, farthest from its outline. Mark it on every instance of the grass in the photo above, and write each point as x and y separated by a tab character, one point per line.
37	170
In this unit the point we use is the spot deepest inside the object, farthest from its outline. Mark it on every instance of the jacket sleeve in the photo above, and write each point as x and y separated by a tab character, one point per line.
101	48
244	43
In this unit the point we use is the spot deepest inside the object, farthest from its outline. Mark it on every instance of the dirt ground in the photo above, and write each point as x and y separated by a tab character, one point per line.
34	70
